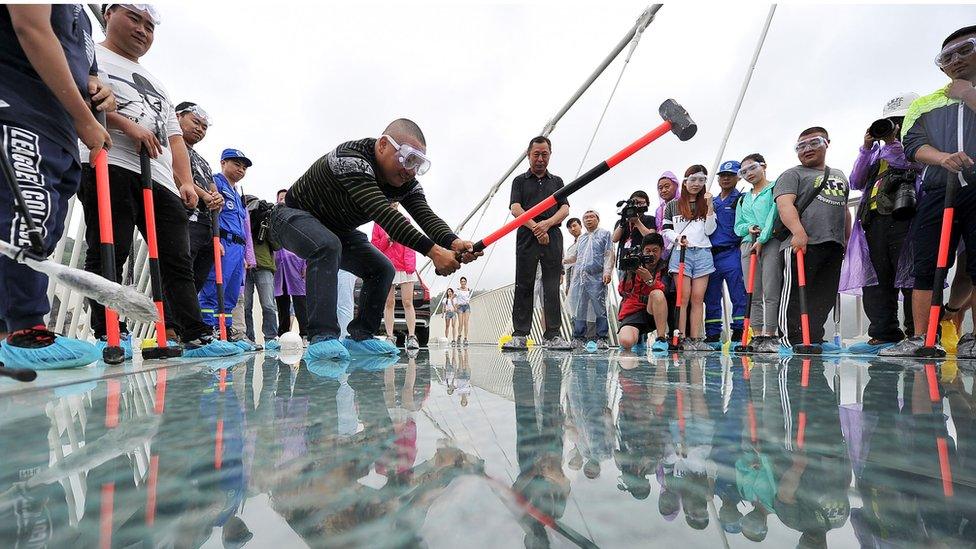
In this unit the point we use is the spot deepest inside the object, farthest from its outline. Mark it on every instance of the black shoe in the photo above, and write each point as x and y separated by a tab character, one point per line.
715	338
736	336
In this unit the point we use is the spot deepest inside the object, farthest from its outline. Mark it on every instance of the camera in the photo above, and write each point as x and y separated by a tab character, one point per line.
904	202
630	208
881	128
633	258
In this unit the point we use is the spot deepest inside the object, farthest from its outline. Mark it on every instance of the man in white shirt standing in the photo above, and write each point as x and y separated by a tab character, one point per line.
146	119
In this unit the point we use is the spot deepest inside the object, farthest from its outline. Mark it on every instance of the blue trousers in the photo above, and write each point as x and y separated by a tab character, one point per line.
48	177
233	271
728	269
592	293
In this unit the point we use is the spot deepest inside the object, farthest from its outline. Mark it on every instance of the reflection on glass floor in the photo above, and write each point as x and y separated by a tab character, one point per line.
476	448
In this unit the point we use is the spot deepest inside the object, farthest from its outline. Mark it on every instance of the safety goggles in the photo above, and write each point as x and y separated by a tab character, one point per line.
746	170
810	144
197	110
698	178
147	9
962	49
409	157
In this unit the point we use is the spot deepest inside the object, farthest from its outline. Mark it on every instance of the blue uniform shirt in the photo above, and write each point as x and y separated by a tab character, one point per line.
233	213
724	234
25	100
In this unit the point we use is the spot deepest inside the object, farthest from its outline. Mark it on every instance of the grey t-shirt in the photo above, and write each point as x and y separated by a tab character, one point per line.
824	218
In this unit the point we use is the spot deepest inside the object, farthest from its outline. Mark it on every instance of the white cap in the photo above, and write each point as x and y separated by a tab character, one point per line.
898	106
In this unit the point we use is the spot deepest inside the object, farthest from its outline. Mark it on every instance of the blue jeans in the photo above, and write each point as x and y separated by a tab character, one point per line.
263	279
592	293
325	252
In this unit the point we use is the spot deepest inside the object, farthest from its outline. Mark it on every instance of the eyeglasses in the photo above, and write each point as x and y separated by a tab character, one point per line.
697	178
746	170
197	110
409	157
962	49
812	143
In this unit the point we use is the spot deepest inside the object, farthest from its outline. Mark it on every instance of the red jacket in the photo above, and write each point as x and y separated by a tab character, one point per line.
403	258
635	292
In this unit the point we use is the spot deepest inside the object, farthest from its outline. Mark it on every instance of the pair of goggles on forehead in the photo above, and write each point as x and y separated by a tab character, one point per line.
199	112
961	49
142	9
409	157
812	143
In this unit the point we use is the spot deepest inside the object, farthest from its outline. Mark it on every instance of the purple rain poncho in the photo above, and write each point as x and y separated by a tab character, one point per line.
289	276
857	270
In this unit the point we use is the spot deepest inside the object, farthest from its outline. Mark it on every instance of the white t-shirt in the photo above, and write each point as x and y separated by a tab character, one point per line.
449	305
142	99
462	297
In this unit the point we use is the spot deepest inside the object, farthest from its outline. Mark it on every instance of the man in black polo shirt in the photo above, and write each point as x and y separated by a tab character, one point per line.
538	241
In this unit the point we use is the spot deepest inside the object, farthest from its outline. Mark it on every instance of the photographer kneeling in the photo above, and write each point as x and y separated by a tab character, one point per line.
884	216
644	306
634	223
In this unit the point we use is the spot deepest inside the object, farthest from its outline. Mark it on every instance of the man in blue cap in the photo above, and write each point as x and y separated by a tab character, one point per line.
234	228
728	266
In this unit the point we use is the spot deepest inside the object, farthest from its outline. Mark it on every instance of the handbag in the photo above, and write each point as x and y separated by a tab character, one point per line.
780	231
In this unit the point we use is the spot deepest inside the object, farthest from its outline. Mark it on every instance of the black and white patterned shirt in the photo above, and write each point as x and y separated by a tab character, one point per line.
203	178
344	190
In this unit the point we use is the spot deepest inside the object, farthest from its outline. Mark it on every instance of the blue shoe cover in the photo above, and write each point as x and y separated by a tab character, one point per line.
375	363
246	346
272	345
831	348
659	347
370	347
865	348
65	352
327	368
124	342
215	348
327	349
785	351
639	349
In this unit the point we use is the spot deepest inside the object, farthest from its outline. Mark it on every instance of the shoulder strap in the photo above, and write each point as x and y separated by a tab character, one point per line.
816	190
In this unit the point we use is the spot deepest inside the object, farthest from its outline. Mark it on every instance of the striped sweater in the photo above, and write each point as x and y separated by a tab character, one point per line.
344	190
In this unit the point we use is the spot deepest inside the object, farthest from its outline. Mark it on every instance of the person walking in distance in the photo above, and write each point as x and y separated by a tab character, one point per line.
450	316
463	300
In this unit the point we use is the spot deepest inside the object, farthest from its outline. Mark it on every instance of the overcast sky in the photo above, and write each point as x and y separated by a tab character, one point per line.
286	83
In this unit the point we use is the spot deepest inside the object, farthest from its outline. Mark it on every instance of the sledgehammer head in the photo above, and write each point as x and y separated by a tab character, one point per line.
681	123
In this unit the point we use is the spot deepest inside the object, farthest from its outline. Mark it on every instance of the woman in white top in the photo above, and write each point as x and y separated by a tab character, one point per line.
688	221
463	301
450	312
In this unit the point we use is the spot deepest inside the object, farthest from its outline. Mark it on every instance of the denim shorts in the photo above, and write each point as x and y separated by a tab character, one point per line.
698	262
466	308
449	315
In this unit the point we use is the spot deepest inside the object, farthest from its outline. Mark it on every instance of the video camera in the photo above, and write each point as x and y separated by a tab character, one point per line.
629	209
633	258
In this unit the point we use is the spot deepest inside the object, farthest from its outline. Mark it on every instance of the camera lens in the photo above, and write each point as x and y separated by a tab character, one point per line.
881	128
